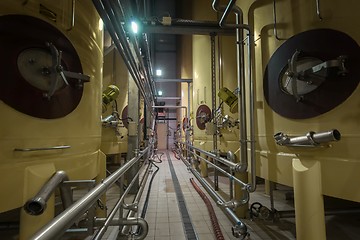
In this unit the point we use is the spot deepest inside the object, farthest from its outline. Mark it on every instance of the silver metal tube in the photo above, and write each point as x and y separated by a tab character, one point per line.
239	224
243	143
117	33
111	215
129	221
139	222
41	148
37	204
131	213
224	172
311	139
228	163
64	220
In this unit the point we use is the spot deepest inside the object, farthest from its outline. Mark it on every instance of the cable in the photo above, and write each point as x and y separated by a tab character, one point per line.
146	202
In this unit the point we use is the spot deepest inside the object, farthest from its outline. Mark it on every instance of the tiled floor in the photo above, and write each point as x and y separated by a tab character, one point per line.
164	218
165	223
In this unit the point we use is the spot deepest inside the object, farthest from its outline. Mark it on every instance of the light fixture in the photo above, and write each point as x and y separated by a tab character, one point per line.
134	27
101	24
158	72
160	93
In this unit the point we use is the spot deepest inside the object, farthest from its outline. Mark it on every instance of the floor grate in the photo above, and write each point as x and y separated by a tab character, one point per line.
188	226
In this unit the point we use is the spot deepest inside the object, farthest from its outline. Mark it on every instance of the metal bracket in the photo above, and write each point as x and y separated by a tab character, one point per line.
314	75
57	69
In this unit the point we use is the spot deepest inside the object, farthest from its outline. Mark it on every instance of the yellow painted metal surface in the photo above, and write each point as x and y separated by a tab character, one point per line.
81	129
309	202
340	163
115	72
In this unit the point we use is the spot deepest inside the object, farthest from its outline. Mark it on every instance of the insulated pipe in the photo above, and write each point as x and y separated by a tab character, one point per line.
37	204
64	220
238	26
310	139
240	227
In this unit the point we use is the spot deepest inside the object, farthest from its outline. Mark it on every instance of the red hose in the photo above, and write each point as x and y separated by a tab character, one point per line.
214	221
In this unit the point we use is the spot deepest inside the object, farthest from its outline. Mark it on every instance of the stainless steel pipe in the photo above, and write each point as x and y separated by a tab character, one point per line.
311	139
37	204
234	166
241	83
64	220
240	227
111	215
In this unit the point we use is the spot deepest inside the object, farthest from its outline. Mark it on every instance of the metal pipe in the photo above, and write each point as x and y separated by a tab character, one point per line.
37	204
311	139
111	10
41	148
252	186
234	166
64	220
240	227
111	215
117	33
223	171
131	213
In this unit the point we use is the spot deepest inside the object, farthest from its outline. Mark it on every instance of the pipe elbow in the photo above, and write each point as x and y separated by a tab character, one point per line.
241	167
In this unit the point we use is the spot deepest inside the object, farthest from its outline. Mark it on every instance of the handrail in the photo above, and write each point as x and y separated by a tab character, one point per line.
64	220
240	229
230	164
111	215
220	159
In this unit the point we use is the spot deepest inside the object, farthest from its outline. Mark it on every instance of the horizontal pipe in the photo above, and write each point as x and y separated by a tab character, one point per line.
228	163
42	148
246	186
37	204
64	220
310	139
238	223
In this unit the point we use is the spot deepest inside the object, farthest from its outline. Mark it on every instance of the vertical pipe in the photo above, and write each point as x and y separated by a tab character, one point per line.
213	106
309	205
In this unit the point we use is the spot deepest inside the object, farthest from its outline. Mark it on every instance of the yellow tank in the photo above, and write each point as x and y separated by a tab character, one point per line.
225	61
115	72
340	162
35	144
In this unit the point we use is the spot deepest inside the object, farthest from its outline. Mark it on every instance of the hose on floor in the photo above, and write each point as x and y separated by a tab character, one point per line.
214	221
146	202
175	154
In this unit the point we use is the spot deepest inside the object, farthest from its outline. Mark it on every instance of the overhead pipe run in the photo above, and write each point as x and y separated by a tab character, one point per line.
311	139
241	85
111	20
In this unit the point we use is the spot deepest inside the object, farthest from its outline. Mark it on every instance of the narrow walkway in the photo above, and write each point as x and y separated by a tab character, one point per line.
163	214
